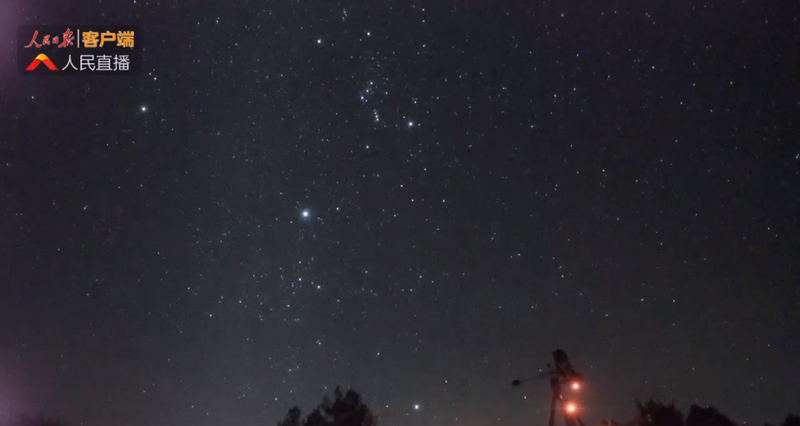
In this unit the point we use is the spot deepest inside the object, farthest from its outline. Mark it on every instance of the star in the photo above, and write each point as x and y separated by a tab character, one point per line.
305	214
143	108
416	407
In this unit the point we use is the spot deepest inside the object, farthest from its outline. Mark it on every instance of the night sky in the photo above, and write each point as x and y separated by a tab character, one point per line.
417	199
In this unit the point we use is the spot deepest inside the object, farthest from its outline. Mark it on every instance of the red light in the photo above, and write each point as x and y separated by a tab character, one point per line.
576	385
571	408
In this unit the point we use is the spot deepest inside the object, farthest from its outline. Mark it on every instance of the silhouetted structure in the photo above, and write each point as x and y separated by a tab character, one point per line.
562	374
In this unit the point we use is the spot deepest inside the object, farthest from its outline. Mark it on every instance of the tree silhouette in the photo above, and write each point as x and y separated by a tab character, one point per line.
293	418
655	413
709	416
791	420
346	409
316	418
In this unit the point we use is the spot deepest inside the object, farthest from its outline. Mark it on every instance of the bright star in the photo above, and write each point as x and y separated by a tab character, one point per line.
319	41
143	108
410	124
305	214
416	407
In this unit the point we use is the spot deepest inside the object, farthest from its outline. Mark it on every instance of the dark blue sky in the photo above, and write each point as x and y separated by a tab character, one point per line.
483	183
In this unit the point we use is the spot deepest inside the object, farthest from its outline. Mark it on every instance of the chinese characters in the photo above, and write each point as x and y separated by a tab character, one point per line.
89	39
78	49
100	63
67	39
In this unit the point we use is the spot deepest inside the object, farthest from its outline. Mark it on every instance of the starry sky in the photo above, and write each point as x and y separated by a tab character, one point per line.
417	199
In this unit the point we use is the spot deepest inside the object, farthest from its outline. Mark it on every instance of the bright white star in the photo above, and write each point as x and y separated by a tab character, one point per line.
143	108
416	407
305	214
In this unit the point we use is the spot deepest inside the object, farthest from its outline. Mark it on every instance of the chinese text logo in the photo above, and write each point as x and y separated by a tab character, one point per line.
78	49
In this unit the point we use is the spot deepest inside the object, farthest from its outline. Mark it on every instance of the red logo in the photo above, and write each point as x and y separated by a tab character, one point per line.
41	59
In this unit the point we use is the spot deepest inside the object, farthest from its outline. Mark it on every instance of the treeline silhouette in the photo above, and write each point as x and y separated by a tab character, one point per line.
656	413
348	409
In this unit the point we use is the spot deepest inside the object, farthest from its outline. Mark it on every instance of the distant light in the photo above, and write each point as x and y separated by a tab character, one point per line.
319	41
305	213
576	385
571	408
410	124
416	407
143	108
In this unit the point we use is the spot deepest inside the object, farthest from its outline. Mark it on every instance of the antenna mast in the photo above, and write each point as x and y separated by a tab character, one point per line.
562	375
